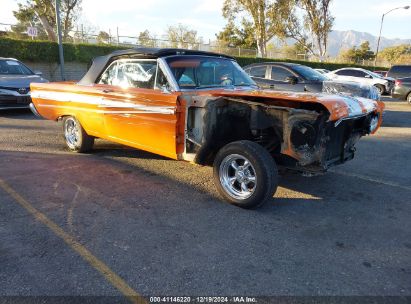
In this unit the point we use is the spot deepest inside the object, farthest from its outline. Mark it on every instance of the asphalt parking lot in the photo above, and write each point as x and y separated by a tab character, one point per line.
119	218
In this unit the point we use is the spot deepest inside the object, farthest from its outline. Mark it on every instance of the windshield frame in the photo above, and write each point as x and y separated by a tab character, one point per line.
375	74
174	82
19	63
301	70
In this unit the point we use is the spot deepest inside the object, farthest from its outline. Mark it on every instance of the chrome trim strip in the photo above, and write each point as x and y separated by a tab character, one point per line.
107	112
101	102
34	110
350	117
169	75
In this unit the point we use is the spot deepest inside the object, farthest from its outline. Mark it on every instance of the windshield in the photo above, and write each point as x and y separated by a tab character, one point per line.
309	73
196	72
13	67
375	75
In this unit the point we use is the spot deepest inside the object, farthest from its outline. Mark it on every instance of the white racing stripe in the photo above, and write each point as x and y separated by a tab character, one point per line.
101	102
354	106
358	105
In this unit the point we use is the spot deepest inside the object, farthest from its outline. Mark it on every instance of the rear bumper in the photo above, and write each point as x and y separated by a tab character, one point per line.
400	92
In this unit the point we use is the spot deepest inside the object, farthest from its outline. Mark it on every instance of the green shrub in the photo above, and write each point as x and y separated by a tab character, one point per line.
46	51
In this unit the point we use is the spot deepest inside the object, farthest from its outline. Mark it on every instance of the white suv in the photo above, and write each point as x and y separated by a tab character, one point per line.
363	76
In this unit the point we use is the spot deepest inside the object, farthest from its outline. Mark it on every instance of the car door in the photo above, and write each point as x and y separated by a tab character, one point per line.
357	76
280	77
138	108
364	77
259	75
345	74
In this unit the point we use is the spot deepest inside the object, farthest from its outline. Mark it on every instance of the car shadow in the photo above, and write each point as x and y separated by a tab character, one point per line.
108	149
25	114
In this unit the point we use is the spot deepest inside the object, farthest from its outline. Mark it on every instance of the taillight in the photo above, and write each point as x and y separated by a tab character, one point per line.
398	82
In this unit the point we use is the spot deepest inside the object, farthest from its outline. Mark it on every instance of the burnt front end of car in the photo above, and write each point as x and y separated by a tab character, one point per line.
304	136
315	146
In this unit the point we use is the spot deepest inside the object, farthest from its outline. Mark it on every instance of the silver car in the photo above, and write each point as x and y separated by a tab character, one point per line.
15	79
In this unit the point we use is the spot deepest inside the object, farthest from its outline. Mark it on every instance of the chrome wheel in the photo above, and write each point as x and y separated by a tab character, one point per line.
409	98
237	176
72	132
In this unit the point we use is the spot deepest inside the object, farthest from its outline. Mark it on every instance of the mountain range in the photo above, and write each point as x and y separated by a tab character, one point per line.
338	40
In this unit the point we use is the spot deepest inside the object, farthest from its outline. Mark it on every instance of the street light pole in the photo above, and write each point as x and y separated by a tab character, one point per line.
379	36
60	40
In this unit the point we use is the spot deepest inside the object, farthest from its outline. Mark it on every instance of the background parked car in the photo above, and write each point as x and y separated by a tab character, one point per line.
399	71
301	78
383	85
15	79
402	89
322	71
381	73
286	77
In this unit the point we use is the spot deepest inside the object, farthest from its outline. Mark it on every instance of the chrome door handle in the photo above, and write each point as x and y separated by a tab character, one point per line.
107	91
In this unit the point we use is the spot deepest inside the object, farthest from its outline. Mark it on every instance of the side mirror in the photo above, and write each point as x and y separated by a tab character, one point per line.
38	73
291	80
368	76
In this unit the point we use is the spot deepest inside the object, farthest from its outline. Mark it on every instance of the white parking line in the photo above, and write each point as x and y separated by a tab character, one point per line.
371	179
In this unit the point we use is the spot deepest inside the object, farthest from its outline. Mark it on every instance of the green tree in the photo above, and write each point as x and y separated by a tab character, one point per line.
146	39
103	37
234	36
41	13
356	55
267	18
364	52
181	36
347	55
316	22
397	54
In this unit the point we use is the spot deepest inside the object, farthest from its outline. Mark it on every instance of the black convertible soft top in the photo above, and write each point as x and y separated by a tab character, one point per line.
100	63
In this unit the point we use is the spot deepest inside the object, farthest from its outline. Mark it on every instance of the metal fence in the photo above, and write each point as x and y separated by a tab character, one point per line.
82	36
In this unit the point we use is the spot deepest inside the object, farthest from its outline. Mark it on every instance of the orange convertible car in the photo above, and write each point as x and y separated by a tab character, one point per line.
202	107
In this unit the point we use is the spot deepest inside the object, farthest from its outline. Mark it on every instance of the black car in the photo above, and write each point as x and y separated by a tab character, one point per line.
300	78
286	77
402	89
399	71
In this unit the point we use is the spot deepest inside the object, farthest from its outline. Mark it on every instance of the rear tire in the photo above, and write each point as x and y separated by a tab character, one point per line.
245	174
76	138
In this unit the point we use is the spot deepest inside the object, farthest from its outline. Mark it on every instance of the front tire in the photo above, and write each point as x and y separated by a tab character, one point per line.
76	138
245	174
380	89
409	98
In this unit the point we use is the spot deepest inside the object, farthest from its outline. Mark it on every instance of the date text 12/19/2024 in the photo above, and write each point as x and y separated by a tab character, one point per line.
203	299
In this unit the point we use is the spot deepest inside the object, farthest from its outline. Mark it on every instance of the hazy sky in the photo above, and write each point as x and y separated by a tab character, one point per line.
134	16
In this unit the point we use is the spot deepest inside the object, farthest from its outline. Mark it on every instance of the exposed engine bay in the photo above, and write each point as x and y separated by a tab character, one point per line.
298	136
